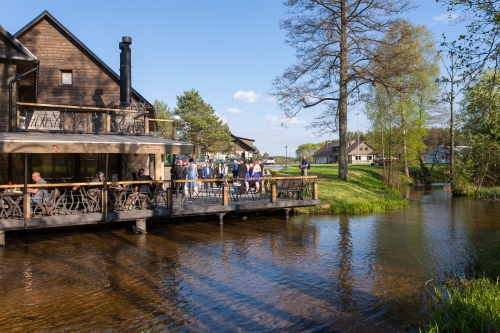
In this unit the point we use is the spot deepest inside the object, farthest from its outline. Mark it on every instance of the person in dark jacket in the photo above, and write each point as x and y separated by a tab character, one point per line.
179	173
243	172
143	188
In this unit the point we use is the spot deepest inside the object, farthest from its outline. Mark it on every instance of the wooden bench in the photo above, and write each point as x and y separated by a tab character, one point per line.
290	188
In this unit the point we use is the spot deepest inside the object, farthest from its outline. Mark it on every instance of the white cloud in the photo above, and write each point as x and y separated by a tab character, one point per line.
272	99
293	121
276	122
224	120
233	110
445	18
246	96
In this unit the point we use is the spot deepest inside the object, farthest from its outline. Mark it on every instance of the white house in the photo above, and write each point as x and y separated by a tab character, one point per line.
329	153
441	154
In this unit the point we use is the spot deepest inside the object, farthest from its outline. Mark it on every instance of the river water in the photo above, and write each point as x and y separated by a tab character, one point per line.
362	273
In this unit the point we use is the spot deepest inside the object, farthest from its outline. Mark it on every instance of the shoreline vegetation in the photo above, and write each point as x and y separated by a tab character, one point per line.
365	192
472	303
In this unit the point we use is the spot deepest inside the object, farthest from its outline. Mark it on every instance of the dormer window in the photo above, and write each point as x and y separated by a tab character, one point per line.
66	77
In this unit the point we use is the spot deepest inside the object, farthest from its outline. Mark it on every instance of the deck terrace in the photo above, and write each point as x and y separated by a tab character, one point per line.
71	204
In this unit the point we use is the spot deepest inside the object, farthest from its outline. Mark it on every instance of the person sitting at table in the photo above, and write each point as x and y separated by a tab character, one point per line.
143	188
95	190
39	193
140	191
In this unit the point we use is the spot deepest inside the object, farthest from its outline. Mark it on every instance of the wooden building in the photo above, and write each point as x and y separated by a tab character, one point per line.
67	110
68	116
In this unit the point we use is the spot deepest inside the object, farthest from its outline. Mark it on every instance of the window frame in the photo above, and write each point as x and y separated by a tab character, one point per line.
61	75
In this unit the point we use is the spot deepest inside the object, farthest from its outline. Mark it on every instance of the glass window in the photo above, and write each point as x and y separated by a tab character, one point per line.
66	77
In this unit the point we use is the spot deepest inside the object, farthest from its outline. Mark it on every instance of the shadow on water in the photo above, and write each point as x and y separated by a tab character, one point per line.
369	273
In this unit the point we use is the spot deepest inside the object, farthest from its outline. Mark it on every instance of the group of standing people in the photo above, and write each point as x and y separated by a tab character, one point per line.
197	172
247	169
244	169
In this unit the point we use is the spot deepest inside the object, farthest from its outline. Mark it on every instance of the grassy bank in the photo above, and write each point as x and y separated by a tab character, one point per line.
365	192
472	304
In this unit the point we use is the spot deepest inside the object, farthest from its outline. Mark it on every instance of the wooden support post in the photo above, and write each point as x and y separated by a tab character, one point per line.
2	238
61	120
89	121
26	205
104	200
315	191
273	192
169	198
108	123
225	195
146	125
159	167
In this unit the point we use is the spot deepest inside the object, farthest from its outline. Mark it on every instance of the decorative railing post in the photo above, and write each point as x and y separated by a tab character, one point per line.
26	205
107	125
225	195
315	191
273	192
169	198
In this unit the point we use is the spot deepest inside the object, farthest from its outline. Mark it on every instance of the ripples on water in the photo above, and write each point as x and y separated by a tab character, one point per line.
311	274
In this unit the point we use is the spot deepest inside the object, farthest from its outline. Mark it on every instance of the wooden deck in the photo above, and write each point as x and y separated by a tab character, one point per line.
165	205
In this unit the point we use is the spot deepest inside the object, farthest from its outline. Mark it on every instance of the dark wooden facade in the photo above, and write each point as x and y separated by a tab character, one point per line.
14	59
58	51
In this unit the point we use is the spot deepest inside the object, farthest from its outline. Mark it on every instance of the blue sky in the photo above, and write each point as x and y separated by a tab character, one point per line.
228	50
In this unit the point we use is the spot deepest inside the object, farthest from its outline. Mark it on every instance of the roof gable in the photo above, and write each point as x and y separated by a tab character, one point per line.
45	15
13	49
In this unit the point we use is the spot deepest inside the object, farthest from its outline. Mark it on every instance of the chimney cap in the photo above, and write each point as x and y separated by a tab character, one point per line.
127	39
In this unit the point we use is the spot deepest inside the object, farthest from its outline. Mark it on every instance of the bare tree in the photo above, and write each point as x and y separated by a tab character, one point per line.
453	82
335	42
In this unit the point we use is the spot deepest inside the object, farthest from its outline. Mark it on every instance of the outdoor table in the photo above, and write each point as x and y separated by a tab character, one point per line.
120	194
10	204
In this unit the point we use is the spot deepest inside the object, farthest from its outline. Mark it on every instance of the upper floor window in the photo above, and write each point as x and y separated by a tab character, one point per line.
66	77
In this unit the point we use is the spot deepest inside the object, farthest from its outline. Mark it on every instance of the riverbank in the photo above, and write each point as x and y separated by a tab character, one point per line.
364	193
470	304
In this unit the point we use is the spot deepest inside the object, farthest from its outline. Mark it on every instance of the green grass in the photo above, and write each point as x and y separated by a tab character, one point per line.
364	192
440	172
473	304
489	193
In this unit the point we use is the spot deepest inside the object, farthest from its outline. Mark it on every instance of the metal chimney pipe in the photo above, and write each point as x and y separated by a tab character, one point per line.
126	71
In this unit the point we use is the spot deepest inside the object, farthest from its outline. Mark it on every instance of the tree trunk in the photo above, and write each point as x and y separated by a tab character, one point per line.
425	171
342	106
452	129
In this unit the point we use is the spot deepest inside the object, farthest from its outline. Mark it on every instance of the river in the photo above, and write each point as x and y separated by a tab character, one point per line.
359	273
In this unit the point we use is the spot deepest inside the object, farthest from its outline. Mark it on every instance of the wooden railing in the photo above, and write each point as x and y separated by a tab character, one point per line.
105	197
32	116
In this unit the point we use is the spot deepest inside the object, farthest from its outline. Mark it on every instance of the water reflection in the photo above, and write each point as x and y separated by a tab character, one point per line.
364	273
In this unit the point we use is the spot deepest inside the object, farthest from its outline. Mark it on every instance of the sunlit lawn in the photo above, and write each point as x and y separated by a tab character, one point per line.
364	192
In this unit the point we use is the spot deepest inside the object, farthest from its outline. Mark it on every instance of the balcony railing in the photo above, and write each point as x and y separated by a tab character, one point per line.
31	116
